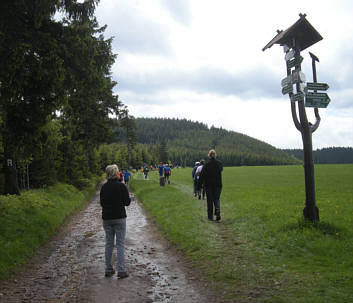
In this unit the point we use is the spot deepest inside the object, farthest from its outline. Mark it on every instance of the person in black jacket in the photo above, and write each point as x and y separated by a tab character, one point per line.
114	196
211	177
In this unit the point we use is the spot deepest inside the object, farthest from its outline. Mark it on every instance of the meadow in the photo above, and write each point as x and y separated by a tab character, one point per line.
262	250
28	221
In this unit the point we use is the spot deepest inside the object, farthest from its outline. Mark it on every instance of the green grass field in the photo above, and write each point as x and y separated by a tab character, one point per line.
31	219
262	250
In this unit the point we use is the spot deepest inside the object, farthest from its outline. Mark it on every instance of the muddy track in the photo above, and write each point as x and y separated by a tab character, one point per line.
71	267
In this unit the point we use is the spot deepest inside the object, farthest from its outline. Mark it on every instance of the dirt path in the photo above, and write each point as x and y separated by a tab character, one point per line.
71	267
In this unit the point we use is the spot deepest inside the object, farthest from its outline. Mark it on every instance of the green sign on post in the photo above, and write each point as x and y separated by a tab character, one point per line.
286	81
287	89
317	86
295	61
297	97
319	100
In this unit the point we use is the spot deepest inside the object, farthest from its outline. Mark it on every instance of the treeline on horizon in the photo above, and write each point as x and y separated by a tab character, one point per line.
328	155
189	141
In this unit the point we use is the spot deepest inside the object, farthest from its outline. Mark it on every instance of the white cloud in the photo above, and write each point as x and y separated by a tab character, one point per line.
179	10
202	60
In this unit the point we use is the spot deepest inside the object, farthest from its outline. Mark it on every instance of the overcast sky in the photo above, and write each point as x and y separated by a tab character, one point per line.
202	60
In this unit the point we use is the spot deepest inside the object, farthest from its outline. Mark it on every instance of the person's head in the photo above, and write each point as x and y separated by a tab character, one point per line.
112	171
202	162
212	154
197	163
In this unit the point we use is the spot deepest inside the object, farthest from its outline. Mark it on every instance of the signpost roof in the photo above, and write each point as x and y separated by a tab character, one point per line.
301	32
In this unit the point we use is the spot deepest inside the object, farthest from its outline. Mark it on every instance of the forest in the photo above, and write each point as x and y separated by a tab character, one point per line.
329	155
188	141
56	93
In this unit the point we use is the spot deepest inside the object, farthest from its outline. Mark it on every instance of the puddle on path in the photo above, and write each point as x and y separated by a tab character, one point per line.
71	267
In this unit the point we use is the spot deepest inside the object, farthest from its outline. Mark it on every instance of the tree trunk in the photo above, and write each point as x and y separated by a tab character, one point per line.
11	182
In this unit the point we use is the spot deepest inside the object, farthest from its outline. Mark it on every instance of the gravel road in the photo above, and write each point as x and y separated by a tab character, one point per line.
71	267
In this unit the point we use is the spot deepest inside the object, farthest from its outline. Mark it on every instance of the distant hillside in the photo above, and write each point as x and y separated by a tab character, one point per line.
189	141
331	155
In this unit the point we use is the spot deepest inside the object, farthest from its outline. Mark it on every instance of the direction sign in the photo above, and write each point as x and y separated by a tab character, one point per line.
287	89
320	100
316	86
297	97
295	61
286	81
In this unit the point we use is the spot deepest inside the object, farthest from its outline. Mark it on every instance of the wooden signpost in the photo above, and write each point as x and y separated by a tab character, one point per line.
295	39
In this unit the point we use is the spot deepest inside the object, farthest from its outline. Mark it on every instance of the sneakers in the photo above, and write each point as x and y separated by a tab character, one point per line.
122	275
109	273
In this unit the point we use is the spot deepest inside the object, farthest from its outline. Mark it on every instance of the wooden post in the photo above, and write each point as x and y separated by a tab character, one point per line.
310	212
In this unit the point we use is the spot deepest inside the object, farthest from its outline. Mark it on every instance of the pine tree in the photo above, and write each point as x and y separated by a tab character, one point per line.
163	151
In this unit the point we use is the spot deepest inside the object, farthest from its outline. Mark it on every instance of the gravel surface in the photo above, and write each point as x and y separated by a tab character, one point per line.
71	267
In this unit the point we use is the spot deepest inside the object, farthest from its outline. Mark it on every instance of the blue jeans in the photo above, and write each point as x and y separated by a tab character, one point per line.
213	200
114	229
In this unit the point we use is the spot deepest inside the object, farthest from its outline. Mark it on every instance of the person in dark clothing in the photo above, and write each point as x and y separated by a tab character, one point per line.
194	177
145	171
211	177
200	188
114	196
161	174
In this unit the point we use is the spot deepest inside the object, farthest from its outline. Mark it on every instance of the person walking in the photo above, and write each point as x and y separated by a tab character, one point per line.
114	196
161	174
145	171
211	177
167	173
200	188
194	177
127	177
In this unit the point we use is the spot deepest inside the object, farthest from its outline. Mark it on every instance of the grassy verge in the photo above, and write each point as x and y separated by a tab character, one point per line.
263	251
29	220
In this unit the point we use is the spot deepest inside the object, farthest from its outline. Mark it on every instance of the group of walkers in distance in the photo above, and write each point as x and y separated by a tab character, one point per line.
165	171
207	178
114	197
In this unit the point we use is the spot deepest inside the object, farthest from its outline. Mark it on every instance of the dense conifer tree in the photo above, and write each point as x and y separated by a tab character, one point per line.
54	66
